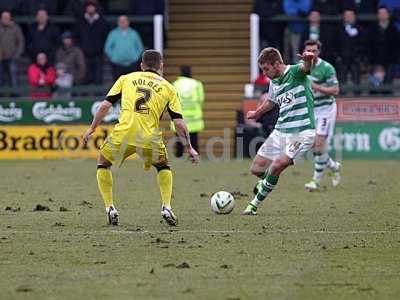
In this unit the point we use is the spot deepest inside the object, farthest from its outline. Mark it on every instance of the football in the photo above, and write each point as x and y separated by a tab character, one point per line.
222	202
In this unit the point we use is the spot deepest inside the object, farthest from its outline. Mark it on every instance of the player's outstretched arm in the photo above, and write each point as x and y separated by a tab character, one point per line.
266	106
307	57
183	133
100	114
327	90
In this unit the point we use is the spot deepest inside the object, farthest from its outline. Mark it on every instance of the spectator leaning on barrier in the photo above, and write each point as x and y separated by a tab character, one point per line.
63	82
294	30
349	48
91	34
73	58
42	37
12	44
191	93
383	49
124	48
41	77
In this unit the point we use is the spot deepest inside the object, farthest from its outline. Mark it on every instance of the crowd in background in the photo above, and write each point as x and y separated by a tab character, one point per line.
354	47
73	54
63	56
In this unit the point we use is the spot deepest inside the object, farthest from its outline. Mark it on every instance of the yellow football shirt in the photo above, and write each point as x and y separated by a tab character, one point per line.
144	98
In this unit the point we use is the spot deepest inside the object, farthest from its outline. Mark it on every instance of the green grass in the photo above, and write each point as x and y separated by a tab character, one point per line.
343	243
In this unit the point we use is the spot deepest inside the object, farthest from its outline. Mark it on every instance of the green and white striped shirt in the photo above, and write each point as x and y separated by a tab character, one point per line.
292	92
323	73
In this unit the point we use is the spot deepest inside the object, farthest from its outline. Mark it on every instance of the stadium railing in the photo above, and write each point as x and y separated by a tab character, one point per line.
95	92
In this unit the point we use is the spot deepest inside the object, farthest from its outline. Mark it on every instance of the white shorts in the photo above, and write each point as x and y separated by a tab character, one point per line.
325	120
293	145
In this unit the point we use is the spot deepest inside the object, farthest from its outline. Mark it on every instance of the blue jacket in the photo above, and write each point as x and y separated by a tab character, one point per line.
297	8
123	47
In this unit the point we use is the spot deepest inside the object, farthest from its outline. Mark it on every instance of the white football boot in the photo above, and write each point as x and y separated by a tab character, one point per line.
112	215
312	186
336	177
169	216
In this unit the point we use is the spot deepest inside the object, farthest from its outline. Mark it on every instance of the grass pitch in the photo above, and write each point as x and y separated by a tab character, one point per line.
343	243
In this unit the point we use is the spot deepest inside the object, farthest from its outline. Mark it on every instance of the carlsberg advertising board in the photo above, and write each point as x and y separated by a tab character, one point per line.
53	112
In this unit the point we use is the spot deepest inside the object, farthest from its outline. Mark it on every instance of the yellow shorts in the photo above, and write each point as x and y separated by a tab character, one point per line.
117	153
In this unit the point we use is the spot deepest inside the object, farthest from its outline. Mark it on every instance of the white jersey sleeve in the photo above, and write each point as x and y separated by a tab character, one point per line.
271	93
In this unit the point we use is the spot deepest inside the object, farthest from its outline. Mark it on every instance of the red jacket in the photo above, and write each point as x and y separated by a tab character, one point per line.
41	78
262	80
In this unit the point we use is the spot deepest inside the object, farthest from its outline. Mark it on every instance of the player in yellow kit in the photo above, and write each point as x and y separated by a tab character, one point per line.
144	97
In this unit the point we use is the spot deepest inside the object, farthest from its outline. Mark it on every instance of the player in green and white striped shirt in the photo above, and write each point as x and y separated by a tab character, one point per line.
325	87
294	132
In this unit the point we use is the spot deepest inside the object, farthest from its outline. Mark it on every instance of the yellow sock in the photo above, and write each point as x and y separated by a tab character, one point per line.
105	183
164	178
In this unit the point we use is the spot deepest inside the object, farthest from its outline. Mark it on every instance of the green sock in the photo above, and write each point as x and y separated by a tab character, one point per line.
267	185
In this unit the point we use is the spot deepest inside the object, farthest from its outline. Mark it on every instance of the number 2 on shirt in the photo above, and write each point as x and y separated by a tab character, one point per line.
140	103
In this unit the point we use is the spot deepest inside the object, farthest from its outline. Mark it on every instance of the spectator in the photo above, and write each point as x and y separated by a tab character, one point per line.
41	77
294	30
12	44
91	33
317	32
63	82
313	30
383	49
394	8
376	79
31	7
72	57
327	7
349	45
191	94
261	84
124	48
42	37
270	32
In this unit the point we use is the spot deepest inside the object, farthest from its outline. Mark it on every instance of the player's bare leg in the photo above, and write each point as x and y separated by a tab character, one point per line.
268	183
105	183
259	168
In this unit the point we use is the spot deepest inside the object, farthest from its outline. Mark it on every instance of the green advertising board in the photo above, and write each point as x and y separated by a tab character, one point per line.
370	140
52	112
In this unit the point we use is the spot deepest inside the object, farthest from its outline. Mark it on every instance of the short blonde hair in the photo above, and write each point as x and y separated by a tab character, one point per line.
269	55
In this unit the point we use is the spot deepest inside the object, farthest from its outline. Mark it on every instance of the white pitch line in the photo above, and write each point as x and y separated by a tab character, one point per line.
177	231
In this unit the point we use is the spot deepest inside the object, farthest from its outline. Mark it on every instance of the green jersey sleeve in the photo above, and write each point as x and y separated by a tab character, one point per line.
297	70
331	77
